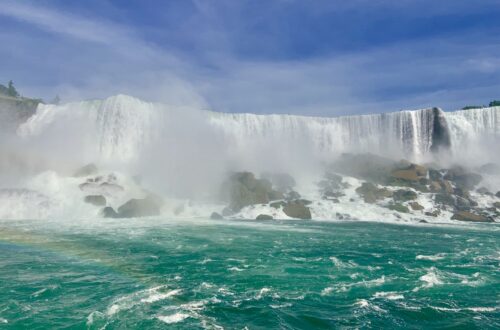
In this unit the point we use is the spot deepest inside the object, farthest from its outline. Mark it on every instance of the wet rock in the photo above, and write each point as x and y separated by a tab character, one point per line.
422	221
243	189
277	205
445	199
264	217
89	169
497	205
435	175
463	178
484	191
434	213
408	175
435	186
498	194
446	186
404	195
459	191
468	216
97	200
297	209
109	212
398	207
416	206
145	207
227	212
216	216
462	204
111	188
371	193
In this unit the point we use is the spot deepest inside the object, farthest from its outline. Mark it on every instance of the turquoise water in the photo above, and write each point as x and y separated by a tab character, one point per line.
230	274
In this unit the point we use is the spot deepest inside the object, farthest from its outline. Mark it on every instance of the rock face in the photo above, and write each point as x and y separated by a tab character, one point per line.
441	140
467	216
402	195
297	209
216	216
109	212
264	217
97	200
145	207
463	178
89	169
371	193
416	206
243	189
398	207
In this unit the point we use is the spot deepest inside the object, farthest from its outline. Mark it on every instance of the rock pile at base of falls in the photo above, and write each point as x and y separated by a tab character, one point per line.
98	187
243	189
398	184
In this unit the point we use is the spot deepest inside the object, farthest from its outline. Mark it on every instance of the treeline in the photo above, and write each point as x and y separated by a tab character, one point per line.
11	91
494	103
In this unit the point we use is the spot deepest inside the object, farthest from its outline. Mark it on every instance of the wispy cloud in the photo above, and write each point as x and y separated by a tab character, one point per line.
231	56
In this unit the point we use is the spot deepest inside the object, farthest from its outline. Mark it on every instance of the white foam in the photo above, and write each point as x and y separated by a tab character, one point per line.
435	257
174	318
389	295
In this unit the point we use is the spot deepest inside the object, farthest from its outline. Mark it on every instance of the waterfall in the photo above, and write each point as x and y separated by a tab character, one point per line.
121	126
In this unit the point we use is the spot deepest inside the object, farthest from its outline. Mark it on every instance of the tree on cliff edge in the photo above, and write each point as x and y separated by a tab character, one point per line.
11	90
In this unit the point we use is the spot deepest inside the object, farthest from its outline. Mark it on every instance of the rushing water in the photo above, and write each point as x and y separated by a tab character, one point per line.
189	274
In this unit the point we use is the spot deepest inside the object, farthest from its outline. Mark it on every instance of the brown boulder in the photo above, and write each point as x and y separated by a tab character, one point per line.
416	206
468	216
297	209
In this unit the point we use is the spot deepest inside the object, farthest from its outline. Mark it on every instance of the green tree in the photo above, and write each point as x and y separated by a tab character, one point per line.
11	90
495	103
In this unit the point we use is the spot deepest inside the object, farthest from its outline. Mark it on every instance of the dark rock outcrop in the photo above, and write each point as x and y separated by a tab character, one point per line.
264	217
402	195
297	209
97	200
463	178
398	207
216	216
441	140
135	208
416	206
243	189
468	216
371	193
109	212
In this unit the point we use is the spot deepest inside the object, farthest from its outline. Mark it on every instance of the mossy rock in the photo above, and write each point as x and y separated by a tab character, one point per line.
468	216
398	207
402	195
297	209
416	206
371	193
434	213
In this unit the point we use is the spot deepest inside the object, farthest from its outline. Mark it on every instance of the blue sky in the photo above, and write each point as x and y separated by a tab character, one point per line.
285	56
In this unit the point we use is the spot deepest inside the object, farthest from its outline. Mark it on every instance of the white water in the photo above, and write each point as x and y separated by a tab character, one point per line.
119	127
180	147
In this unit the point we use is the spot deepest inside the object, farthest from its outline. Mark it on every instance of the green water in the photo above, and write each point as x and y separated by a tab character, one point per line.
236	274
